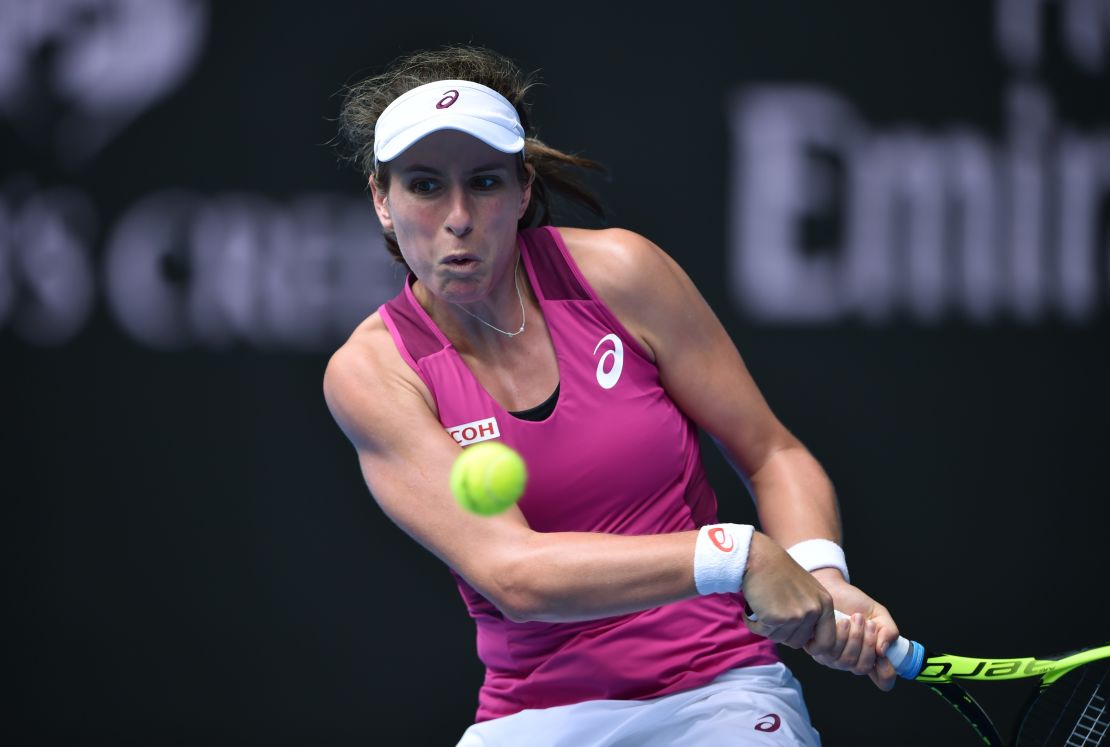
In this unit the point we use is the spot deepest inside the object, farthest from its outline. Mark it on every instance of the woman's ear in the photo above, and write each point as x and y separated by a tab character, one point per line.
526	193
381	205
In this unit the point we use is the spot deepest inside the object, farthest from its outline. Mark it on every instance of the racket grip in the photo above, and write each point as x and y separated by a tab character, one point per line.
905	655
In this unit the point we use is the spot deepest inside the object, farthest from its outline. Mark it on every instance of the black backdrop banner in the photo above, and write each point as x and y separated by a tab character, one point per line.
899	212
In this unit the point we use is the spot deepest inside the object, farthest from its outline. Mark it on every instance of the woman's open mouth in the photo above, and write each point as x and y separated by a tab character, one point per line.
461	261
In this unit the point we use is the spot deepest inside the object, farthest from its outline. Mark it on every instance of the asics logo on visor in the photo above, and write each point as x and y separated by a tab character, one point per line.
449	97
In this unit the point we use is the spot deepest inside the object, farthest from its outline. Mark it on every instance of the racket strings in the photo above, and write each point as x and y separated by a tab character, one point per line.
1092	724
1072	712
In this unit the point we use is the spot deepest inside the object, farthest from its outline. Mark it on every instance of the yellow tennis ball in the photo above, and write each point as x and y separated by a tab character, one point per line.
488	477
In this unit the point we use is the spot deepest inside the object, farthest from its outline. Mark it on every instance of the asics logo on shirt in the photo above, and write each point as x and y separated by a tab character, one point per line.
615	360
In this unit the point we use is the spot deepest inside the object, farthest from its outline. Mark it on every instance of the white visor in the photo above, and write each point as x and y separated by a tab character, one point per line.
447	105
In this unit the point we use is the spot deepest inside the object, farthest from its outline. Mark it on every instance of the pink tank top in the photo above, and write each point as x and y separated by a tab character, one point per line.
616	455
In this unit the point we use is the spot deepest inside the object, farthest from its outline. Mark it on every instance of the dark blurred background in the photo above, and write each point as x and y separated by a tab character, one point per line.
899	211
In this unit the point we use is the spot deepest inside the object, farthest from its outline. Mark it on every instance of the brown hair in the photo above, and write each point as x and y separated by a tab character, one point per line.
365	101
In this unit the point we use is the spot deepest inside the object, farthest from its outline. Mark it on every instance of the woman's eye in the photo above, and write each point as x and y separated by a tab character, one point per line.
485	182
422	186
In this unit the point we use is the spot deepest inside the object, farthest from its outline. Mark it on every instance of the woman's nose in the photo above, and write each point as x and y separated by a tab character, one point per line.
459	220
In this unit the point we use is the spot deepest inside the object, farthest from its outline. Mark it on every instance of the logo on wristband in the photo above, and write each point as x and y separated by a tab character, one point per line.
724	541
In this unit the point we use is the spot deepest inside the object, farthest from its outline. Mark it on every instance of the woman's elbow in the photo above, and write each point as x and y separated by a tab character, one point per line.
527	579
517	595
511	586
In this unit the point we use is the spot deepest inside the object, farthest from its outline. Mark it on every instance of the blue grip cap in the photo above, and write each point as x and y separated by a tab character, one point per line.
911	665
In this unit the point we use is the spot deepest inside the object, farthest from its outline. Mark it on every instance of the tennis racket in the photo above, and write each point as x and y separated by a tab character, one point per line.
1071	705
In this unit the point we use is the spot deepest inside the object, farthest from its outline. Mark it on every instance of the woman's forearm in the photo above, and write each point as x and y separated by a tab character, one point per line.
567	576
795	499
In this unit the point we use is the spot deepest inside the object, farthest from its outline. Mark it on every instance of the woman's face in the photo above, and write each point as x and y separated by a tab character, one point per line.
453	203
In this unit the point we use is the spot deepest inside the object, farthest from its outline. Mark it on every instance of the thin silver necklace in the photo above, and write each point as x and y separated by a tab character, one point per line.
519	297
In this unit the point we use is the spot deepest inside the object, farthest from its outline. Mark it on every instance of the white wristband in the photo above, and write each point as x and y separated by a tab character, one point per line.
720	557
819	553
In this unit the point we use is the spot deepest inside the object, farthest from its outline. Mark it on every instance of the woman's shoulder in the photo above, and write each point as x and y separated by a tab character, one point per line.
366	365
360	360
613	260
603	243
621	265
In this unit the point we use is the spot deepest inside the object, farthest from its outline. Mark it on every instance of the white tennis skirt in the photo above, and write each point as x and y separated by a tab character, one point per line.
749	706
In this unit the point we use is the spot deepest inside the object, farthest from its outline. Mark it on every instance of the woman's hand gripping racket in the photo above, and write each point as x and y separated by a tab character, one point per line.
1070	707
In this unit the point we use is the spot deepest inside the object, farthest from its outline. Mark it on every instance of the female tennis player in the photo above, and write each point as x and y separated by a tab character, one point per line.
609	603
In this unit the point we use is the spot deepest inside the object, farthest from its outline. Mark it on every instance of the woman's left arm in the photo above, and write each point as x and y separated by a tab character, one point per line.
702	371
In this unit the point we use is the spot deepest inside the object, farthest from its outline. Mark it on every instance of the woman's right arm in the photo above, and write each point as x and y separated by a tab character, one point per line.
406	457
